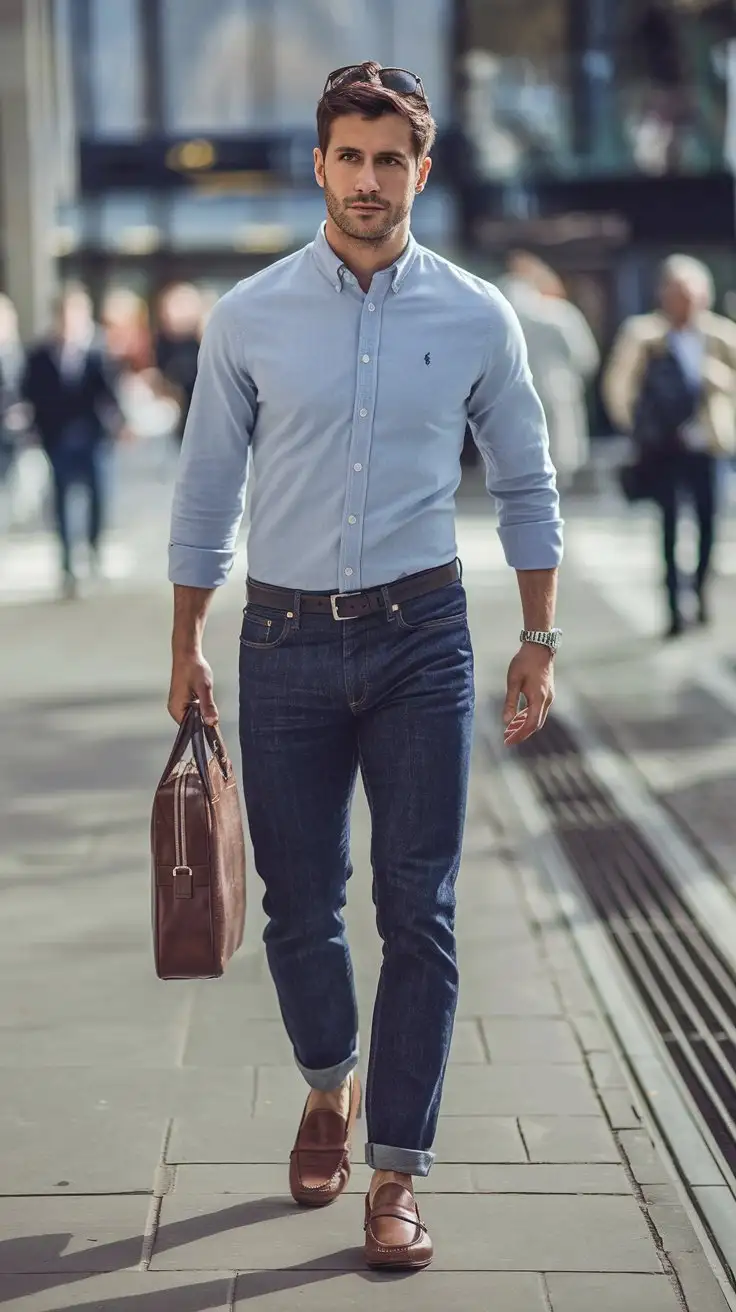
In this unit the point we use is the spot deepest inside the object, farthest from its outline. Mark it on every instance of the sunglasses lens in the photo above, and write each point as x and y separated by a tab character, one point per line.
395	79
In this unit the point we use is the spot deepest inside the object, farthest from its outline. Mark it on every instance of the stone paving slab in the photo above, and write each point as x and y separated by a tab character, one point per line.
568	1139
612	1293
434	1291
479	1233
646	1163
123	1291
701	1290
523	1090
237	1138
71	1234
521	1040
503	1090
509	996
67	1154
71	1093
444	1178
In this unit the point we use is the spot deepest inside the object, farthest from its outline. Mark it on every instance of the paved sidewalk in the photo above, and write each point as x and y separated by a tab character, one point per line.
145	1127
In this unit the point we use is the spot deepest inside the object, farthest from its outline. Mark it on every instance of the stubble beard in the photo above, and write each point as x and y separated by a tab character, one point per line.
390	220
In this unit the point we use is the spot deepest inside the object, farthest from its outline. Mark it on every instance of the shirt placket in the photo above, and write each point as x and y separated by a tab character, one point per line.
351	538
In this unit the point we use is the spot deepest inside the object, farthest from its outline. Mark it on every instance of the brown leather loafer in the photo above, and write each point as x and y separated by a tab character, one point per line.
395	1237
319	1168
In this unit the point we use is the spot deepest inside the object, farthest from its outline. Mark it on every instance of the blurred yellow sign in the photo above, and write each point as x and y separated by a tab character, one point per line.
189	156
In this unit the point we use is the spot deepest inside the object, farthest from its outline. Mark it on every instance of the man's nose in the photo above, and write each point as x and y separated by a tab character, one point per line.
367	181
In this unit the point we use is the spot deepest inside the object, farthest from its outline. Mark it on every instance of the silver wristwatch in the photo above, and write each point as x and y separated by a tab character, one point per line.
543	637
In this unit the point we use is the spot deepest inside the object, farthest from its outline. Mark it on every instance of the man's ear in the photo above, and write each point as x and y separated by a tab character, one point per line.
425	169
319	166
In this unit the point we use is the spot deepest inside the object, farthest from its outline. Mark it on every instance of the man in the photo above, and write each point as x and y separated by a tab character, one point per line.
698	351
563	357
181	312
76	412
348	371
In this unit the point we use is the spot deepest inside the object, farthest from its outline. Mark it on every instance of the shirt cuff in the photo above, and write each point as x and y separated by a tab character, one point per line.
532	546
199	567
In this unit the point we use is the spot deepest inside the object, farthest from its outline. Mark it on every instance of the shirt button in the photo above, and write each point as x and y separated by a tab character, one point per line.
363	414
357	468
348	572
352	519
371	307
366	359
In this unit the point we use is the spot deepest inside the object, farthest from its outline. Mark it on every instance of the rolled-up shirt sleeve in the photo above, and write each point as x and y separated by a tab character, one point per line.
209	497
510	430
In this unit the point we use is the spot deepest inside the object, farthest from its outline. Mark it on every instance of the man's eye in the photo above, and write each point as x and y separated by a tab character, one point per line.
348	154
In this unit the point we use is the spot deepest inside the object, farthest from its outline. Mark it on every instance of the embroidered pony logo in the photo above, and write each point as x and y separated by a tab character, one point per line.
428	358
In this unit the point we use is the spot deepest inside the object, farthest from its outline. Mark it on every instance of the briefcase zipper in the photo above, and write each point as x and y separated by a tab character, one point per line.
180	814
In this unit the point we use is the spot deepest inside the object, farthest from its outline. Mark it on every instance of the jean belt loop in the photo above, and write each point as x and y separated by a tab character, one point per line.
297	609
390	608
460	567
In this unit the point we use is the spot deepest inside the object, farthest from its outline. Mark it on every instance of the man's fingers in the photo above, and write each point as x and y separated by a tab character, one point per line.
511	705
526	723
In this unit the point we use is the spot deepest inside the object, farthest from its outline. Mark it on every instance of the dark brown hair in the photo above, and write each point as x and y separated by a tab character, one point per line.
371	100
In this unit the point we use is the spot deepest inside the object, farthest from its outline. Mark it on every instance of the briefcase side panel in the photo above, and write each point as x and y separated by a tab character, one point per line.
228	858
185	945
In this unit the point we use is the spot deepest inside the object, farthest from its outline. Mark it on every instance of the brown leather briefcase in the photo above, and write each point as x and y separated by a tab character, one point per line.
198	857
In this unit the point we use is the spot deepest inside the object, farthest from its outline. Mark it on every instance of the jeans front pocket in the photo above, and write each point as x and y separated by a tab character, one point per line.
435	610
264	627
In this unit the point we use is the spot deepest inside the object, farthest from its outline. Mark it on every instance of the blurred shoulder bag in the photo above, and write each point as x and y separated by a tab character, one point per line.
198	856
665	404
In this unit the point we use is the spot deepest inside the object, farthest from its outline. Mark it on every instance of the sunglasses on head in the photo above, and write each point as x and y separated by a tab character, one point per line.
400	80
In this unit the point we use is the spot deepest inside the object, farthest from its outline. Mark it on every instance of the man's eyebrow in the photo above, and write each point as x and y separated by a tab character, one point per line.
355	150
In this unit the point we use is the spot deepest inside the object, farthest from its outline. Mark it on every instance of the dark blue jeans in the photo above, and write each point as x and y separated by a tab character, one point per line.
77	461
391	694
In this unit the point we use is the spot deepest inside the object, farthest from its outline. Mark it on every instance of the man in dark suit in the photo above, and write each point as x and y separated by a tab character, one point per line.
76	412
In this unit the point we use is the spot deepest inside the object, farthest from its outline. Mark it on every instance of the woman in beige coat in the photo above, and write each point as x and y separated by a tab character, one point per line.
703	345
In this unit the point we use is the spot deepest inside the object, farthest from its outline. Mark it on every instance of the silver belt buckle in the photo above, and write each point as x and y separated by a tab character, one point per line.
334	598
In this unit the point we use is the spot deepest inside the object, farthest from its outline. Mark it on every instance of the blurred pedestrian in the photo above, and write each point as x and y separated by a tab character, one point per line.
181	313
563	358
76	412
671	383
348	372
13	419
127	328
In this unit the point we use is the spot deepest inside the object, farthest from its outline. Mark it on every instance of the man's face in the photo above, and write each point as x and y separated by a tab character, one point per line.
75	318
370	175
680	302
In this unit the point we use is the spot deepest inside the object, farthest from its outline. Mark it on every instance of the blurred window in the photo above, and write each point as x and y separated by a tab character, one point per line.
645	88
311	37
116	68
216	64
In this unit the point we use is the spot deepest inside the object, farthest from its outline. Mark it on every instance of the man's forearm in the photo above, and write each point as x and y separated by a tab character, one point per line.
538	589
190	616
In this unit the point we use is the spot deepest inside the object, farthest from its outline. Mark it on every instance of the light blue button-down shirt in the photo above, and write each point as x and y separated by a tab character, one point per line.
353	410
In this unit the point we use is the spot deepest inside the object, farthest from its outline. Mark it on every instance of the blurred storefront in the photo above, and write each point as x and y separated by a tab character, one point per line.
36	153
196	128
600	134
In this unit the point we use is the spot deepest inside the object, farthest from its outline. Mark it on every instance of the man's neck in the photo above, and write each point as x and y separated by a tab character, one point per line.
363	258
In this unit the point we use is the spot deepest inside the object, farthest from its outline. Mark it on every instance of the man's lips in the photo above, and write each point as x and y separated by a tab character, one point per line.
372	209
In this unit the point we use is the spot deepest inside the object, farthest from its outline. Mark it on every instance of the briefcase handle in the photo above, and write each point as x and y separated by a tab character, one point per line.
194	730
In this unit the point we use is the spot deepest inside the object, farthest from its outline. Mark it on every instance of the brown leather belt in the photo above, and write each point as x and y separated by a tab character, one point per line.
353	605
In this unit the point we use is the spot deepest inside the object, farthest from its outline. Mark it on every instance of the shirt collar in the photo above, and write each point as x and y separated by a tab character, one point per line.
334	270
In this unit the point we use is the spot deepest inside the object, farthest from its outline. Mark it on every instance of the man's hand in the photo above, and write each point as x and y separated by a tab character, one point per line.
531	674
191	680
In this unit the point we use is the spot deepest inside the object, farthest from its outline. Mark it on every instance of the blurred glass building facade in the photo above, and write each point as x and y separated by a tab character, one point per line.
148	140
601	134
195	121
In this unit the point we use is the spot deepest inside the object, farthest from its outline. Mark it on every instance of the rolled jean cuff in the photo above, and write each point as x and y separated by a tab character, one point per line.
407	1161
332	1077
